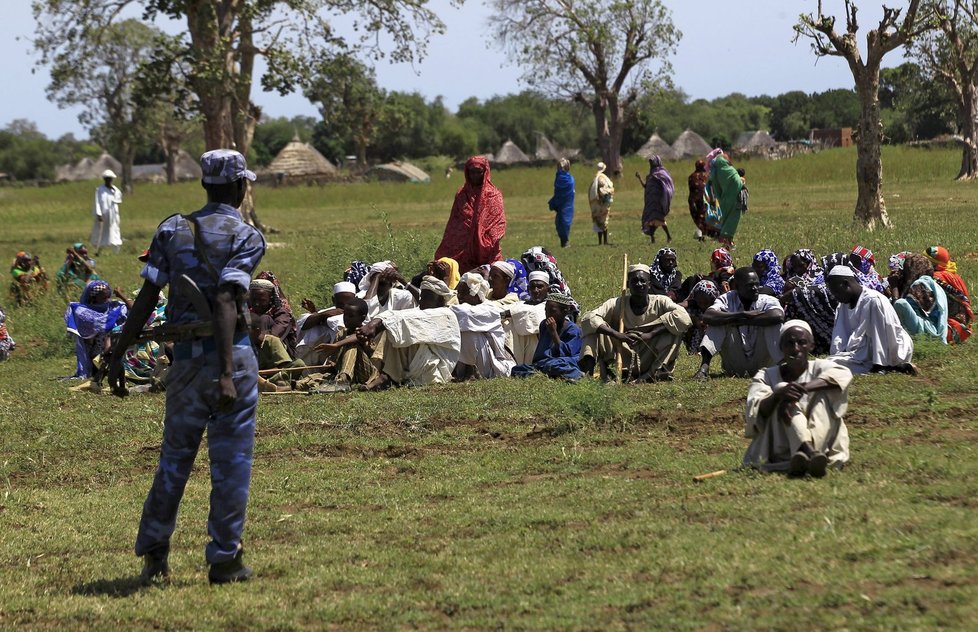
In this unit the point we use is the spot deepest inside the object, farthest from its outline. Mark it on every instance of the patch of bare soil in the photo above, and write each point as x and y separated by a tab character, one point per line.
343	450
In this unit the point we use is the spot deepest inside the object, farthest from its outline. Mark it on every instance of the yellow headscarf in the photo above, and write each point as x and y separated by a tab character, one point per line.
453	276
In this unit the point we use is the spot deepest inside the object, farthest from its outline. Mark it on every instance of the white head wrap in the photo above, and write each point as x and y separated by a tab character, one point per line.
505	267
476	284
795	322
434	285
842	270
539	275
344	286
262	284
376	268
639	267
108	173
602	167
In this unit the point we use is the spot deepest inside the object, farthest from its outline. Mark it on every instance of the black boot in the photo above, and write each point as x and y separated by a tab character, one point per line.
156	565
233	570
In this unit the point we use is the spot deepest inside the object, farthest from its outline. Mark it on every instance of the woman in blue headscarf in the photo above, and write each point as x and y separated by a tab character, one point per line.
563	201
89	321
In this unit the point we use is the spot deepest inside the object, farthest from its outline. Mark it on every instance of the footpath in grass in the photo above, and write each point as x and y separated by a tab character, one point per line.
503	504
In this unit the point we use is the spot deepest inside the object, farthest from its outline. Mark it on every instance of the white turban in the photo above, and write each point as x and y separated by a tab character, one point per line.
432	284
791	324
505	267
639	267
376	268
539	275
842	270
344	286
476	284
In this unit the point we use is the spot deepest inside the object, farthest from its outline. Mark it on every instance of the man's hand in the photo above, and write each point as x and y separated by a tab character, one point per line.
552	326
227	393
790	392
326	347
309	306
368	331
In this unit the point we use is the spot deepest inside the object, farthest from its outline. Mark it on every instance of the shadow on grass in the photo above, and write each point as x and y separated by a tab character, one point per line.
119	587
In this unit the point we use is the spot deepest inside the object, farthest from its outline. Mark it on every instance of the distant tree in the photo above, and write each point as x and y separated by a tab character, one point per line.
225	38
834	108
600	54
349	100
891	33
914	105
523	117
102	83
950	54
791	115
26	153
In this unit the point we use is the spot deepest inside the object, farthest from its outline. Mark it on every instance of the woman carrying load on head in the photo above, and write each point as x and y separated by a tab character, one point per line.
600	195
477	222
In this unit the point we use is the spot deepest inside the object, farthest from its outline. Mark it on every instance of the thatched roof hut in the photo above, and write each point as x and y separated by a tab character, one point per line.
184	168
690	145
758	141
510	154
398	172
87	169
299	160
548	151
655	146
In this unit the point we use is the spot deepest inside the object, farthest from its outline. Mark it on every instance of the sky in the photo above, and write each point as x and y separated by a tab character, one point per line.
727	46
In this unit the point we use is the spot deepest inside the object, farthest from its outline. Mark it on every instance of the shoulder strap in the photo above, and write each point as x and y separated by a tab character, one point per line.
199	248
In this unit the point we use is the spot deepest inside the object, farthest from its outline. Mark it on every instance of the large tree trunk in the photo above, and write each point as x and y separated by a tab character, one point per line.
968	112
128	157
602	134
616	130
870	208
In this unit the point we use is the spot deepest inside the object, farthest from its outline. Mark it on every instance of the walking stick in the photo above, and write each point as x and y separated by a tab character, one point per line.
621	317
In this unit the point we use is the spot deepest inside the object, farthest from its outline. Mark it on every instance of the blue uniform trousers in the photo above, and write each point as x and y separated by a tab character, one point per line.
191	407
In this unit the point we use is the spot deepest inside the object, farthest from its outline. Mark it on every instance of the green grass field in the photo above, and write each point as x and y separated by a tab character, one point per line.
504	504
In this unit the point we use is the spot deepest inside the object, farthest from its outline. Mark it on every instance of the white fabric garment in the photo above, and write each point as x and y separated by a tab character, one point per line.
817	418
106	232
744	349
434	340
397	300
483	340
523	329
309	338
869	333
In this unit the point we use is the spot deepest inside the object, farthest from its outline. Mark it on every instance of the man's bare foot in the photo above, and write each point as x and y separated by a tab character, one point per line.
380	383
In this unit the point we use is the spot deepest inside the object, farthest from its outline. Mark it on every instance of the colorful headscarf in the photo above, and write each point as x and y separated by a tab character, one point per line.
771	277
357	270
865	272
945	270
477	222
518	284
895	262
270	276
665	279
721	259
536	259
703	288
453	276
806	259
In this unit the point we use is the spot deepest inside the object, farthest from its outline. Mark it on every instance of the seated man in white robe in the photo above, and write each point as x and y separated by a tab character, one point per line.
415	346
795	408
742	327
653	330
521	321
867	336
377	287
320	326
483	352
500	275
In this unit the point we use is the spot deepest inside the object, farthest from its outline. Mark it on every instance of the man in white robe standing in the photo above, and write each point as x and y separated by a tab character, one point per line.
417	346
106	231
867	336
795	408
743	327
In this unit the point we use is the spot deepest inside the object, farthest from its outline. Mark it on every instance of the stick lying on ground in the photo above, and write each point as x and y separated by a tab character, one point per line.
703	477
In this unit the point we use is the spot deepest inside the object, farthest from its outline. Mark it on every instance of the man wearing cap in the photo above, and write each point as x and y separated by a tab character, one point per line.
212	384
105	231
867	336
742	327
521	321
653	330
558	351
416	346
76	271
321	326
795	408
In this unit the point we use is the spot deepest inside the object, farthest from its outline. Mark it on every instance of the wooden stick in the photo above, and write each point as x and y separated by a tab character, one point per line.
621	316
703	477
295	368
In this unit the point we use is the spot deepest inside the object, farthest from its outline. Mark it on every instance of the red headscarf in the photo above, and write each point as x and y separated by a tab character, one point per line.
477	222
945	269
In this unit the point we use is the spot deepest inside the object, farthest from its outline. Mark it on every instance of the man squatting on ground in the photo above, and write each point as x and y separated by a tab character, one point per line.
212	384
795	408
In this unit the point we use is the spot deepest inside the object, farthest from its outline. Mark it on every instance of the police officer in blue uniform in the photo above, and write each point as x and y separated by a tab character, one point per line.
207	258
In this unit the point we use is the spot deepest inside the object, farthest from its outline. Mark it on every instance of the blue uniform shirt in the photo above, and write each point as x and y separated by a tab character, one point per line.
233	248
